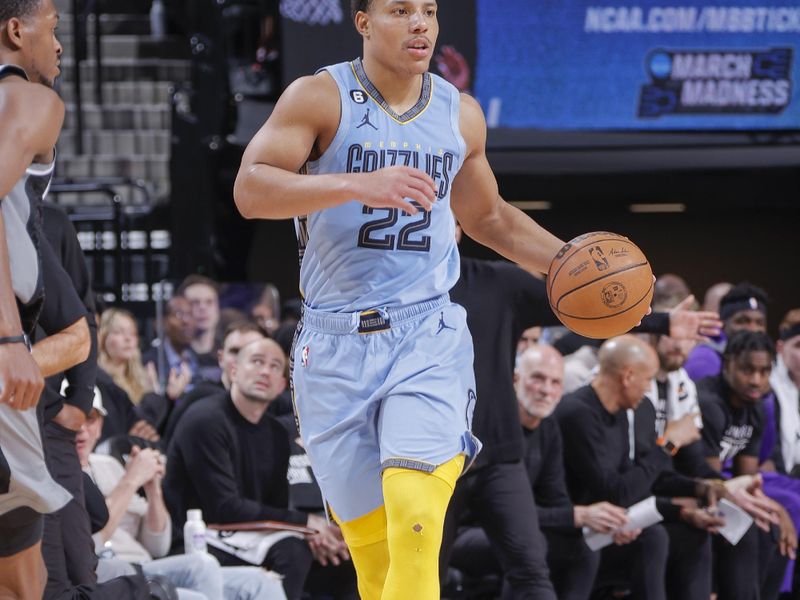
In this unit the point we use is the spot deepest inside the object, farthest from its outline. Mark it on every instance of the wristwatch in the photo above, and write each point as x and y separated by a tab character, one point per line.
17	339
667	446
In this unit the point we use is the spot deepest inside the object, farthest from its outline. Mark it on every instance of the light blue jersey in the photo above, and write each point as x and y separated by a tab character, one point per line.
355	257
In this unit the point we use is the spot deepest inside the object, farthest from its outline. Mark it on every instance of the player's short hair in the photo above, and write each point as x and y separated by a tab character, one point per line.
359	6
19	9
746	341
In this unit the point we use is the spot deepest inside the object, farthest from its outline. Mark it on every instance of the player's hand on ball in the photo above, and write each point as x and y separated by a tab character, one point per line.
397	187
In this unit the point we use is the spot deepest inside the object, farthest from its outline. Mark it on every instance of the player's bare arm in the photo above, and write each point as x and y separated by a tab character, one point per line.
60	351
483	214
30	116
301	127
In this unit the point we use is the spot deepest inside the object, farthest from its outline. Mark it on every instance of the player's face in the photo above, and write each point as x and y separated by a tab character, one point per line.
540	384
672	353
748	374
403	32
746	320
790	352
122	340
233	344
41	48
259	374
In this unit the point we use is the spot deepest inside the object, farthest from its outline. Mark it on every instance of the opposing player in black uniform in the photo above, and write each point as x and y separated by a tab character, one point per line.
30	119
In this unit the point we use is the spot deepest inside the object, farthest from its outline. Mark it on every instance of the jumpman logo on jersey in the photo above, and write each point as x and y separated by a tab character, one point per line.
443	325
365	121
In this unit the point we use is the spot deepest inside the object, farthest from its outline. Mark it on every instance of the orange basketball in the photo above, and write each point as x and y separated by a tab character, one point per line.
600	285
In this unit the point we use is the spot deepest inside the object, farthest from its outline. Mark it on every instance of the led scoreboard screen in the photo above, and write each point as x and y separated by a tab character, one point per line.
577	65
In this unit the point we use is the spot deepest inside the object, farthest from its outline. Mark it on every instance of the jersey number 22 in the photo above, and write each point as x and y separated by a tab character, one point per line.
403	238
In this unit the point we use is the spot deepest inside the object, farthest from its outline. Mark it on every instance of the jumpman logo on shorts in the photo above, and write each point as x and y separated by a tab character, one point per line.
443	325
365	121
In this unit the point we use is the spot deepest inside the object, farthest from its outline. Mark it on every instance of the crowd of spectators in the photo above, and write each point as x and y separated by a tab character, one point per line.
661	464
202	418
703	428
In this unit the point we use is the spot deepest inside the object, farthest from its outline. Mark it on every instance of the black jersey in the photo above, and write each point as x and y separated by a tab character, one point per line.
727	431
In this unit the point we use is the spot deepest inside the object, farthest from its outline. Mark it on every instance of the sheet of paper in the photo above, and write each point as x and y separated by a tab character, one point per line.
737	522
640	516
643	514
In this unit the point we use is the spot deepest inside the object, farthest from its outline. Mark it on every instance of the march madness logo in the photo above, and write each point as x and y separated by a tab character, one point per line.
717	82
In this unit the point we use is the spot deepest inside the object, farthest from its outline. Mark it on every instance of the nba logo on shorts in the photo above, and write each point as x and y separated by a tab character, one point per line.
304	356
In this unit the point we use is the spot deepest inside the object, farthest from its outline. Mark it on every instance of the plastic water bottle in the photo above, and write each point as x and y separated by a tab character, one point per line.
158	25
194	532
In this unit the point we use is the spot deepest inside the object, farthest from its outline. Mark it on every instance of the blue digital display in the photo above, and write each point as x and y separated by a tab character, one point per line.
649	65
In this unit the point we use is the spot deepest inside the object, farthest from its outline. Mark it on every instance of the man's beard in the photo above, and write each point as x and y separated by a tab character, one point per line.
670	364
533	410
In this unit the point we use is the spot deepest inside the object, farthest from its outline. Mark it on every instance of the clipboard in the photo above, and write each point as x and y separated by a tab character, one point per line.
265	526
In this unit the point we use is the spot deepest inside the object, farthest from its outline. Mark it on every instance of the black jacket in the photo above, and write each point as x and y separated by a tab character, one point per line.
230	468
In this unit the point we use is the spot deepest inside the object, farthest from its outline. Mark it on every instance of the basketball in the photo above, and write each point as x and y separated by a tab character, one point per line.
600	285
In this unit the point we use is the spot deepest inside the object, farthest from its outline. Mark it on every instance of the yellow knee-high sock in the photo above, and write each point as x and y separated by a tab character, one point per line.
366	540
416	503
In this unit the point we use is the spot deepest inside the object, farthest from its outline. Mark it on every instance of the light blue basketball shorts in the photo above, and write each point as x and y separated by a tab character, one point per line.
382	388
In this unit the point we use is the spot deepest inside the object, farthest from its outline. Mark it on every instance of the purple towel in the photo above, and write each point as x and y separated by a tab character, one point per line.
786	491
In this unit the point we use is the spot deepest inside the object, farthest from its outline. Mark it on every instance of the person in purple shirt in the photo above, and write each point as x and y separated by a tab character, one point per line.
743	307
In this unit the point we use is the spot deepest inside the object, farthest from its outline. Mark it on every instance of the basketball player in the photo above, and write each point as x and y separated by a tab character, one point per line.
382	361
30	119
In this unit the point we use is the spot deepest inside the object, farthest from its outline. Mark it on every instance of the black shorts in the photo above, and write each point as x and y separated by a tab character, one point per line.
20	529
